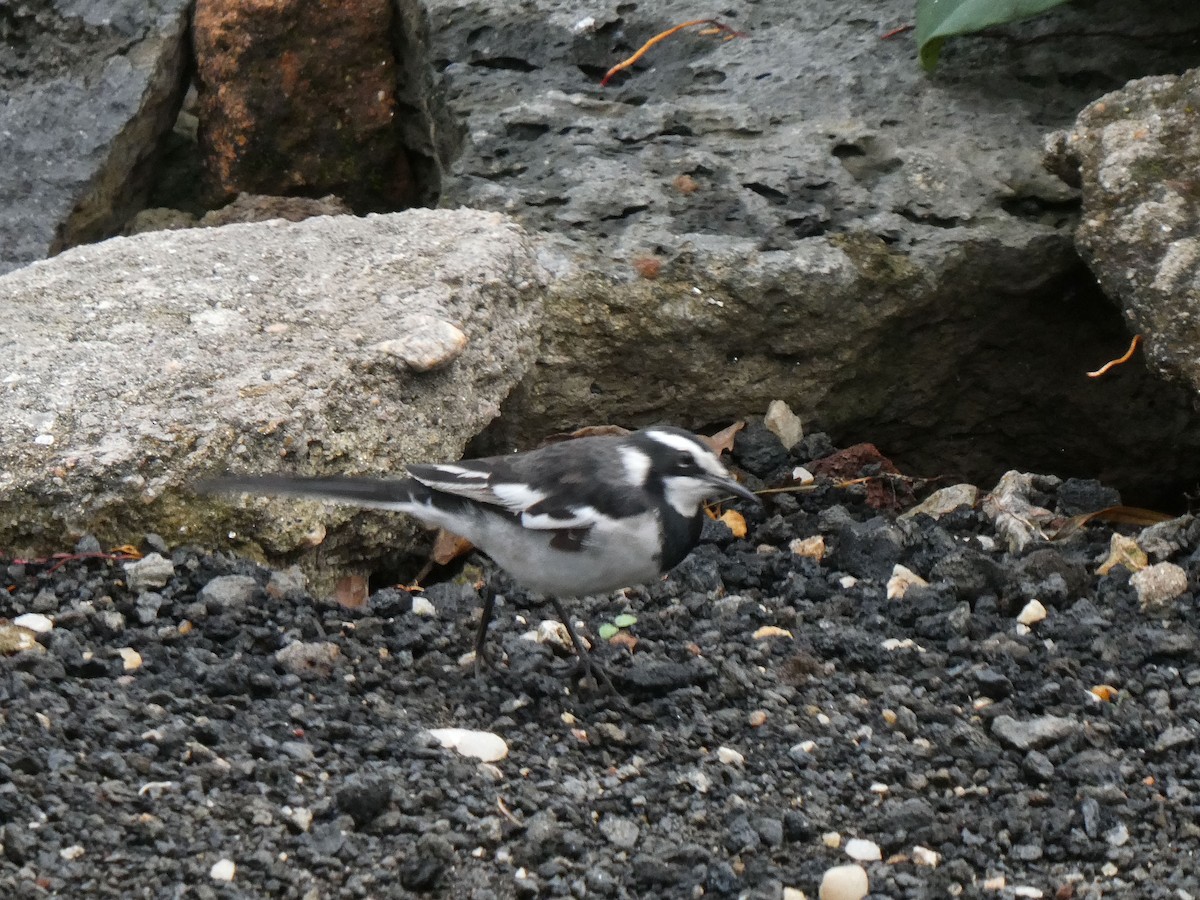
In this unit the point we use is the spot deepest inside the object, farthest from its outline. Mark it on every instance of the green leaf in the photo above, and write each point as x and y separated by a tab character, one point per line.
607	630
624	620
940	19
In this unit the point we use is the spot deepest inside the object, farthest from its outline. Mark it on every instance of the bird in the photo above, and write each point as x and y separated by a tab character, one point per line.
584	516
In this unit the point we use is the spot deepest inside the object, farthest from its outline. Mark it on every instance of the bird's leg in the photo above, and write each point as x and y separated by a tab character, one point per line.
585	661
485	619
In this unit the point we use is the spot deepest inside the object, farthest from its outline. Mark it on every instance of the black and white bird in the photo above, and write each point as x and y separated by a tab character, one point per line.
585	516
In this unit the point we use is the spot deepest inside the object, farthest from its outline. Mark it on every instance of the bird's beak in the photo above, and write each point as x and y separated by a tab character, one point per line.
738	490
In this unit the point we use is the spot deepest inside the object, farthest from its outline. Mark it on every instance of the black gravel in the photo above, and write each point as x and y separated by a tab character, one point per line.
929	721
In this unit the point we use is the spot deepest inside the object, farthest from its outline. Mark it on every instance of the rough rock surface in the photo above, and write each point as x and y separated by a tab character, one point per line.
933	721
284	113
1135	153
88	88
823	223
129	368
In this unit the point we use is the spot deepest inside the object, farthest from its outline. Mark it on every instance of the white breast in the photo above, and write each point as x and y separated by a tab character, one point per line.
612	557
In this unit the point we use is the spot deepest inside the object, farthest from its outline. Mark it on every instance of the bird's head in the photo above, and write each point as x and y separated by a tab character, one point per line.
685	468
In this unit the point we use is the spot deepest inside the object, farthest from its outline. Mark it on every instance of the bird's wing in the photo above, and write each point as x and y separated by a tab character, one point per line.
563	486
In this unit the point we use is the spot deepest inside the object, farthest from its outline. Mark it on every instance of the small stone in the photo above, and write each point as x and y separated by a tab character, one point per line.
228	590
1123	551
730	757
945	501
902	579
791	893
15	639
131	659
309	659
1032	613
620	831
35	622
923	856
152	571
1173	737
1117	836
771	631
299	816
1034	733
1038	765
801	475
844	883
1158	585
481	745
784	424
831	839
757	718
1023	890
421	606
71	853
429	343
550	631
222	870
810	547
863	850
285	581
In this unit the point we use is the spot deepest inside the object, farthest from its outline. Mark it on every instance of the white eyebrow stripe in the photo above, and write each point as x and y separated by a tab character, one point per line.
704	457
675	441
637	465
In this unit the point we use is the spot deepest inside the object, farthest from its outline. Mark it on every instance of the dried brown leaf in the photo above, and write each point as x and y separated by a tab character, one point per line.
448	546
722	441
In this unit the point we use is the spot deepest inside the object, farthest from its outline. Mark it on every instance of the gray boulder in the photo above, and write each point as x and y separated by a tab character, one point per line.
1135	153
133	367
89	88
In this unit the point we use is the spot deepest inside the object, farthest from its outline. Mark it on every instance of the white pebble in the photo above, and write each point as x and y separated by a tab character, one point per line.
423	607
801	475
730	757
299	816
1032	613
791	893
71	853
35	622
222	870
844	883
831	839
131	659
481	745
902	579
923	856
1026	891
847	582
863	850
1158	585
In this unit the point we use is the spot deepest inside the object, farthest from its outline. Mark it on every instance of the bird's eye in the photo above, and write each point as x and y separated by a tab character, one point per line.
685	463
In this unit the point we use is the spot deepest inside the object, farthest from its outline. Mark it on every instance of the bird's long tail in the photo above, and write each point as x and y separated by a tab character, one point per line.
402	494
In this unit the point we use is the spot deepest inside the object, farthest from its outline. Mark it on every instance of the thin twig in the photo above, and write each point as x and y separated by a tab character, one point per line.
1133	345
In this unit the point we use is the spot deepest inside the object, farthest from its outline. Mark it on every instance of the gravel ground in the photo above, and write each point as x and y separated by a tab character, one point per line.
202	727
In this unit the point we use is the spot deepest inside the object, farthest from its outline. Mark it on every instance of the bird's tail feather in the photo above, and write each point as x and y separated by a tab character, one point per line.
403	494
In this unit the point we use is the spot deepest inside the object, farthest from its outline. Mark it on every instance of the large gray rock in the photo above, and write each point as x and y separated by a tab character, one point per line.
130	368
88	89
834	228
1136	153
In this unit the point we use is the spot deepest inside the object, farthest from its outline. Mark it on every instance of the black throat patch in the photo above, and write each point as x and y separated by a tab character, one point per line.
680	535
